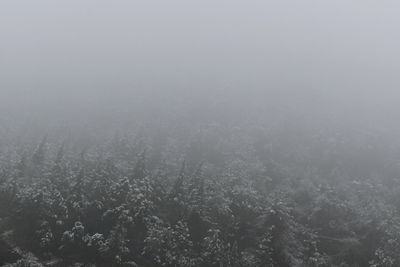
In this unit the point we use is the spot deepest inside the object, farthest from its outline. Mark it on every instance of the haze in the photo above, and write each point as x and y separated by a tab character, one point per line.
199	133
327	56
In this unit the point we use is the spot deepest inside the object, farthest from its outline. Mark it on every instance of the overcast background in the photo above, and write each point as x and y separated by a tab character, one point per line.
314	58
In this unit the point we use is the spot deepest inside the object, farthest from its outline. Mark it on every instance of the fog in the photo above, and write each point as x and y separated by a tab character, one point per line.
199	133
332	56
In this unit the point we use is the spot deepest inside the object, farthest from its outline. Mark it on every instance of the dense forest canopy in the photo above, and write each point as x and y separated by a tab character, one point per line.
199	134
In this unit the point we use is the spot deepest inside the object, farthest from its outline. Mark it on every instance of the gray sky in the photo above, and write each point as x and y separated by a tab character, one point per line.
339	53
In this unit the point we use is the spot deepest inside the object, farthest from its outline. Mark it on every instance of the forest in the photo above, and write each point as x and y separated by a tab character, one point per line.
199	133
200	194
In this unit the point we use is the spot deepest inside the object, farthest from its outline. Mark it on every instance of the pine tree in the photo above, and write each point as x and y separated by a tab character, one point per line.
40	152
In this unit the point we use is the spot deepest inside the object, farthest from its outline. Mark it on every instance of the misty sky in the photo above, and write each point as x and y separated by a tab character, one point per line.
342	54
